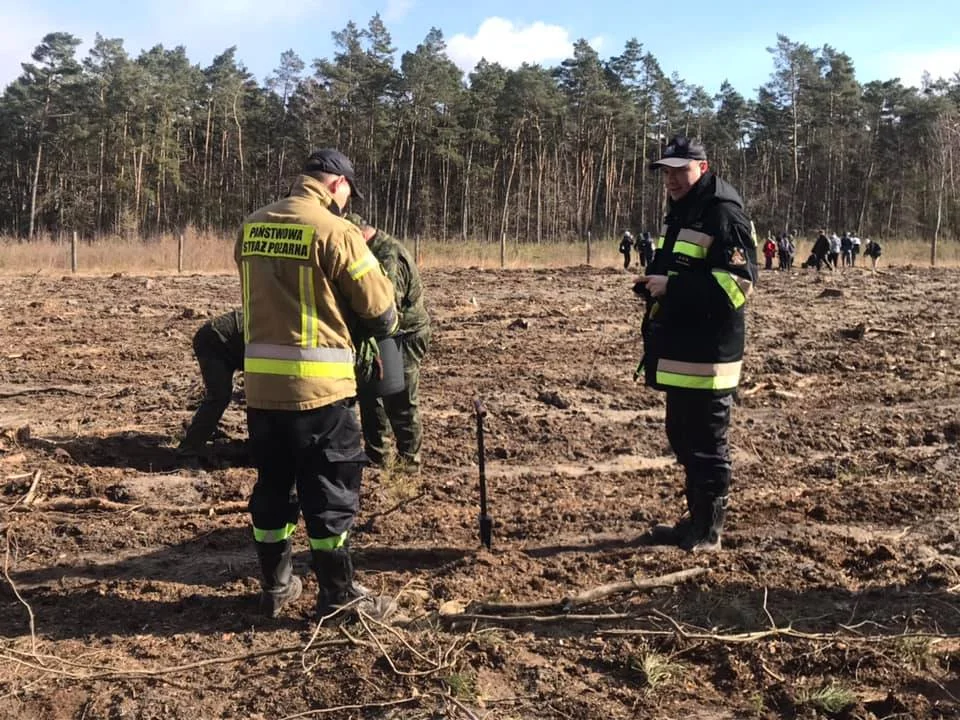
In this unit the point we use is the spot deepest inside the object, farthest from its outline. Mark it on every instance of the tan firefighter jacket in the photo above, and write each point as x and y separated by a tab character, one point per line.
307	278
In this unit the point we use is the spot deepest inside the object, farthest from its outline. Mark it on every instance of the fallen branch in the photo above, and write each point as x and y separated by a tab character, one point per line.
84	504
749	637
592	595
44	389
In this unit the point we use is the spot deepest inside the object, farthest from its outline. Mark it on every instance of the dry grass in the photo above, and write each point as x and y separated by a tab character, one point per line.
210	253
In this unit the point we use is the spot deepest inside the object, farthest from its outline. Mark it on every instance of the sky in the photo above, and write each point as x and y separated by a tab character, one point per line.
704	41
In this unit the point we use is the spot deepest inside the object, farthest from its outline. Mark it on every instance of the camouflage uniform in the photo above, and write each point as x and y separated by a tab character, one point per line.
399	412
218	347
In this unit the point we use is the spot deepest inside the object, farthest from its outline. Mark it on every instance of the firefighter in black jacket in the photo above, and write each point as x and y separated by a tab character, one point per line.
693	333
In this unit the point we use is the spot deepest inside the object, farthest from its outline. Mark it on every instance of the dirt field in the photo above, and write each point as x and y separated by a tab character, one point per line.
836	594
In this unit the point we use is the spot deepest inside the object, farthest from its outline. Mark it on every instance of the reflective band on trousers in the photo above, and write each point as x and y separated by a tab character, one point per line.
362	266
267	359
329	543
274	536
736	287
698	376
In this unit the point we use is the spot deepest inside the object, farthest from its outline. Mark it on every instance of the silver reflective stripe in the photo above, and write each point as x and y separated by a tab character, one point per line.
729	369
746	287
289	352
663	231
697	238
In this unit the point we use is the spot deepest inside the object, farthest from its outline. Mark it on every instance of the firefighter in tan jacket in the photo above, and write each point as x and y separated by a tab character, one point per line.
307	279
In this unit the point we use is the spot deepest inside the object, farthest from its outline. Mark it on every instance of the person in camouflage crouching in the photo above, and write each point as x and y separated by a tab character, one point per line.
401	411
218	348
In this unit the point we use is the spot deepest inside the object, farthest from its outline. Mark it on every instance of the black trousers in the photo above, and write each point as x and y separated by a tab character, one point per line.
697	425
626	260
310	460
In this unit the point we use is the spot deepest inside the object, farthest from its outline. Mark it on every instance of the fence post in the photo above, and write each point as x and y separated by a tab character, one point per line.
503	250
180	241
589	234
73	252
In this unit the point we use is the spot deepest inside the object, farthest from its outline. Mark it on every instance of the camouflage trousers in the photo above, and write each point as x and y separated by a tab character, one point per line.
399	412
218	359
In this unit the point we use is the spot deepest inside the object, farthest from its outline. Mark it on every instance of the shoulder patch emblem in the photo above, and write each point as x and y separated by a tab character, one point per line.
737	257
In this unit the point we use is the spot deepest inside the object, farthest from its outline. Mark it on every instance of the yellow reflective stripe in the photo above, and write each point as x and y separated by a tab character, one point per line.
697	382
695	237
271	351
660	241
682	247
329	543
245	282
274	536
277	240
304	312
362	266
300	368
730	287
728	369
309	322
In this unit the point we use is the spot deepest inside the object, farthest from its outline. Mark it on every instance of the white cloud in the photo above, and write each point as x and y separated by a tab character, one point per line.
21	31
511	45
909	67
397	9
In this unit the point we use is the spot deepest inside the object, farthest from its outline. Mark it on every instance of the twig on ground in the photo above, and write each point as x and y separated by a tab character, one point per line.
44	389
6	575
594	594
467	711
367	525
534	619
364	706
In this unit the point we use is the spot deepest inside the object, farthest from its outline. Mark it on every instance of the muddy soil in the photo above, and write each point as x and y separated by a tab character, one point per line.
835	594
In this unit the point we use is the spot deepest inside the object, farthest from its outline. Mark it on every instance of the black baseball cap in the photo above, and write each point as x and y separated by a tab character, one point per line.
330	160
680	152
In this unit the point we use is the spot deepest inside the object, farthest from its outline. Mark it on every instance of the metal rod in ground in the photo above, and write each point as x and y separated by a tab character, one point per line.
73	252
180	242
486	522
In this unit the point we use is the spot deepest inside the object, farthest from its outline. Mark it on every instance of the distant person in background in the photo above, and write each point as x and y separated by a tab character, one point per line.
872	250
647	248
626	245
769	251
821	249
846	250
855	251
833	256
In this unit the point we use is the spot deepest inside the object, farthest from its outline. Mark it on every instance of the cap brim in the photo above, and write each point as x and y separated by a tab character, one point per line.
671	162
354	190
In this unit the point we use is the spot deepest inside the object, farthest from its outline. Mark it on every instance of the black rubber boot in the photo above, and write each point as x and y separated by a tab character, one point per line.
707	526
339	595
279	585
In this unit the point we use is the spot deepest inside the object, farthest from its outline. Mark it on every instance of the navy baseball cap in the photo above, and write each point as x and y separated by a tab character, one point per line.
330	160
679	153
